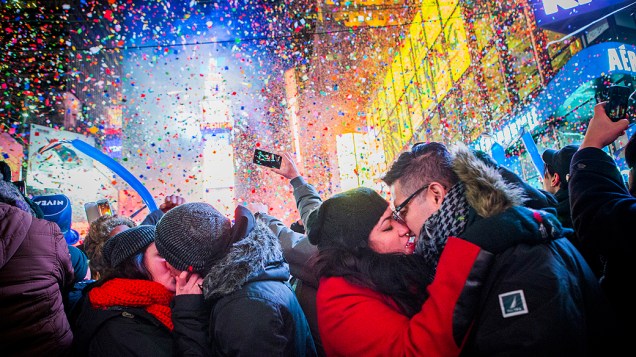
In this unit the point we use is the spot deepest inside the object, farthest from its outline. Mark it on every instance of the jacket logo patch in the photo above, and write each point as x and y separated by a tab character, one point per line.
513	303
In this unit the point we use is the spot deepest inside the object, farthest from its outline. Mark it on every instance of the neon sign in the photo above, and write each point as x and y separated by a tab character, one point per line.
553	6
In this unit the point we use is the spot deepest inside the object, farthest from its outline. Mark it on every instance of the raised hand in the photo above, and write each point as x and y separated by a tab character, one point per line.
602	131
189	283
257	207
288	168
171	202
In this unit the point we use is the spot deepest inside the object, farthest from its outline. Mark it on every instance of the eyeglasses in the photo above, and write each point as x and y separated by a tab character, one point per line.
398	208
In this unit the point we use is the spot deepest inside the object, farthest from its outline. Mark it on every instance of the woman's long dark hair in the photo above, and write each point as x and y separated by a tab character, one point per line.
399	276
131	268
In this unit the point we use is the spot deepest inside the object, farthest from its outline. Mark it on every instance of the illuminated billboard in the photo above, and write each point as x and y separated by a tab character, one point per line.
55	166
566	16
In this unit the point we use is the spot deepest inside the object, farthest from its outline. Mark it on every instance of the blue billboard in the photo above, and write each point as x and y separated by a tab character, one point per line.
590	63
566	16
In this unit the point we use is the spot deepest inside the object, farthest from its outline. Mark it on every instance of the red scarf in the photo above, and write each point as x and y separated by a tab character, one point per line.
152	296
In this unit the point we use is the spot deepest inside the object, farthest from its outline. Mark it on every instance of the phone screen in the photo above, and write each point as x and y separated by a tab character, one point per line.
617	102
104	208
268	159
97	209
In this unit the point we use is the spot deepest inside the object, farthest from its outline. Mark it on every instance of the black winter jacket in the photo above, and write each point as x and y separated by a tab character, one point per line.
603	212
132	331
298	253
541	297
254	310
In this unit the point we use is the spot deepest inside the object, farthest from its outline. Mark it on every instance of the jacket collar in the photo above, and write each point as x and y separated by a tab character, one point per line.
486	190
258	256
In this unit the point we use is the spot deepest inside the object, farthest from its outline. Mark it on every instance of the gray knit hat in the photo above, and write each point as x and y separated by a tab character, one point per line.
124	245
190	234
346	219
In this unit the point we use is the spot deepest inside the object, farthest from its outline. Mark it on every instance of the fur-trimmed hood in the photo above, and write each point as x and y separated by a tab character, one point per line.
486	190
256	257
502	221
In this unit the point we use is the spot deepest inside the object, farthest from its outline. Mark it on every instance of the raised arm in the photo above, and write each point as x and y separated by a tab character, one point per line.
307	197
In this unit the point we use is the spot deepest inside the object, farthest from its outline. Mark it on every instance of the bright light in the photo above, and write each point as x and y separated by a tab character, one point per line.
360	161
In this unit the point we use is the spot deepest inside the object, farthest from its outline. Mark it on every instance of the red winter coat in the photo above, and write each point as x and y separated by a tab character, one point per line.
357	321
35	266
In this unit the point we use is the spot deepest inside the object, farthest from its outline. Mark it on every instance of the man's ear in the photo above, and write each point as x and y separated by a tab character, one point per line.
438	192
555	181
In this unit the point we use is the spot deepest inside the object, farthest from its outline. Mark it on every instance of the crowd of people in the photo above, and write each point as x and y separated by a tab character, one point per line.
468	259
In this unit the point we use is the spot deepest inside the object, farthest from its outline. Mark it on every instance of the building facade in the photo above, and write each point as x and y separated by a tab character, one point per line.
487	72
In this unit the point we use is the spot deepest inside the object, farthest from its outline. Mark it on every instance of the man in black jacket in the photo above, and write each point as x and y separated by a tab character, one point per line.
541	298
603	212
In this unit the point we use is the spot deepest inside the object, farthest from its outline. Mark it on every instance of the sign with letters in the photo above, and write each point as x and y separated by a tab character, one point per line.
566	16
590	63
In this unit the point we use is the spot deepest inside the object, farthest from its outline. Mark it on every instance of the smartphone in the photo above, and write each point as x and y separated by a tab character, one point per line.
104	208
617	102
97	209
268	159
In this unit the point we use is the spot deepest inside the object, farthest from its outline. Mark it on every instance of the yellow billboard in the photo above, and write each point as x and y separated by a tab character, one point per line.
431	21
457	46
439	71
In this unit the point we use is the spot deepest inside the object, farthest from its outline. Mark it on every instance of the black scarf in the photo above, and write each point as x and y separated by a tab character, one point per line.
449	220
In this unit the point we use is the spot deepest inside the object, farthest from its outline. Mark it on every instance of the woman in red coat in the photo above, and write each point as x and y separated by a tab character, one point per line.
375	298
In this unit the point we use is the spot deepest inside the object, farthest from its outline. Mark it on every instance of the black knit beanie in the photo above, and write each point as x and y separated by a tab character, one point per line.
125	244
346	219
189	234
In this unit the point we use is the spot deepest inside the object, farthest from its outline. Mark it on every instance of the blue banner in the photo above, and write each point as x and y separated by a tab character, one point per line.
589	64
531	146
568	15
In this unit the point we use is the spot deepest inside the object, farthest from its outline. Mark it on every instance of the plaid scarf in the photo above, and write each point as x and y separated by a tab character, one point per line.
152	296
448	221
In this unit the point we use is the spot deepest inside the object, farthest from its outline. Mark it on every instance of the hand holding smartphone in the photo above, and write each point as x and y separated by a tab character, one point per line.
268	159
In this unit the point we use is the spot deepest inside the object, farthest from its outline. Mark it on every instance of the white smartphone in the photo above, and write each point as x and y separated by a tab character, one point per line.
97	209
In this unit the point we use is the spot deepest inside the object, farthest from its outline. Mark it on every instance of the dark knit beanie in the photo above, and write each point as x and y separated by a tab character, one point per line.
189	234
125	244
346	219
